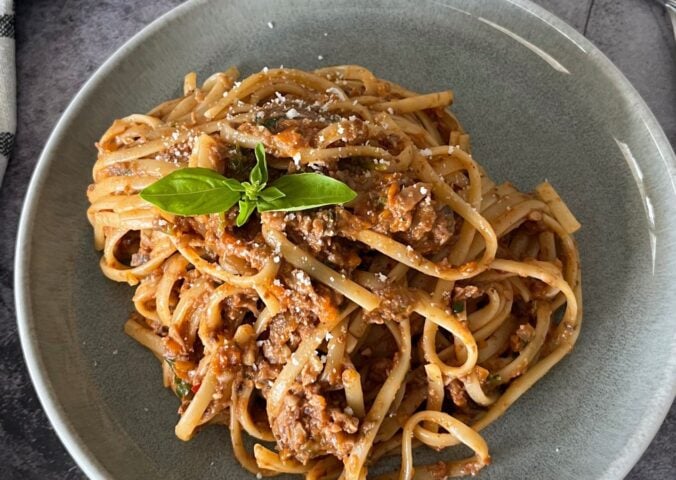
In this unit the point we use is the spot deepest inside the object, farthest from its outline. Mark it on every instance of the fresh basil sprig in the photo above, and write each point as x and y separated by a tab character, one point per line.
199	191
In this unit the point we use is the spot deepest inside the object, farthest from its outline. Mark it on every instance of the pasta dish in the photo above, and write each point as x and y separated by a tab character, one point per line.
322	264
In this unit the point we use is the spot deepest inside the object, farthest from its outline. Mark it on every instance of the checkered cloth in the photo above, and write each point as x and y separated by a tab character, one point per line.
7	84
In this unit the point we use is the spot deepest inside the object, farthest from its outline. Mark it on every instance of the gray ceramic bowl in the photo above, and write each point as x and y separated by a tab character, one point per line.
553	108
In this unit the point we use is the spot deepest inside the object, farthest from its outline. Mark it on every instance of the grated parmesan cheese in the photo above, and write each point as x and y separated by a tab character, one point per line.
291	114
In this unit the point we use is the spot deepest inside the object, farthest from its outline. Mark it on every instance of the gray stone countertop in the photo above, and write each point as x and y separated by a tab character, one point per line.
59	45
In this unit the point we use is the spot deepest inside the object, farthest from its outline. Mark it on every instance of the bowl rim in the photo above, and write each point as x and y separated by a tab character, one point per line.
85	459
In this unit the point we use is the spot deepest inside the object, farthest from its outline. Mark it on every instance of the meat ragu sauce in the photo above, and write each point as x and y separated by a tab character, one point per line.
315	419
500	308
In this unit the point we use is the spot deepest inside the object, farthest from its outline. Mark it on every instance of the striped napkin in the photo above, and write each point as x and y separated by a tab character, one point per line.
7	83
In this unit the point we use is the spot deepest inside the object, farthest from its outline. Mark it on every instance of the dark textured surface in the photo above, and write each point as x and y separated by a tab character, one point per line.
60	43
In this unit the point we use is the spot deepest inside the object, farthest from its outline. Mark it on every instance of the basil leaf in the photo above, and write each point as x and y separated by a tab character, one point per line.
193	191
271	193
246	208
259	174
307	190
251	191
233	184
197	191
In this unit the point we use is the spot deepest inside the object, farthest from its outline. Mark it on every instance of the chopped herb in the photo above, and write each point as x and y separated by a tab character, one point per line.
458	307
493	379
271	123
183	388
238	166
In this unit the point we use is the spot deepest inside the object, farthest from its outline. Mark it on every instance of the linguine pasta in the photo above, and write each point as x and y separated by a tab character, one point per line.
415	314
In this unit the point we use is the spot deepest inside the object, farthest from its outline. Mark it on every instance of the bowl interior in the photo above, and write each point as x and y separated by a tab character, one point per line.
557	111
